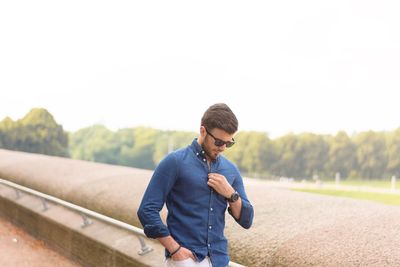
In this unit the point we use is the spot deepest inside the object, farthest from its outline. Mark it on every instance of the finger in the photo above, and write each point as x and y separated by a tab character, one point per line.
214	175
213	179
219	177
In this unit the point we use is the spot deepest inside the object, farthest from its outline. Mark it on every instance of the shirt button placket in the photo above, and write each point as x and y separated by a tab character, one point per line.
210	220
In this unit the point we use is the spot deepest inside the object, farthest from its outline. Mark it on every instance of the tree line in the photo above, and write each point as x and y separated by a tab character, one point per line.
368	155
37	132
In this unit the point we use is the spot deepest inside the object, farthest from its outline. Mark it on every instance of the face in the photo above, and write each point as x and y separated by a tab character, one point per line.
213	137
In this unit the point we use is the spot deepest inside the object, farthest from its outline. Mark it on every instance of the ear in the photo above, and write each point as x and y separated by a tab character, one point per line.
203	131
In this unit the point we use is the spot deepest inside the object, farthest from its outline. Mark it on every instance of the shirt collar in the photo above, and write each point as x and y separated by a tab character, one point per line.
197	147
199	151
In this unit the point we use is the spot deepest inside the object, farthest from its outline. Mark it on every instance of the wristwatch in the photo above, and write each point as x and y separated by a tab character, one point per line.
234	197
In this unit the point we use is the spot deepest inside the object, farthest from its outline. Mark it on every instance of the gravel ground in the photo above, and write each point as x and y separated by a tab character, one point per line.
302	229
18	248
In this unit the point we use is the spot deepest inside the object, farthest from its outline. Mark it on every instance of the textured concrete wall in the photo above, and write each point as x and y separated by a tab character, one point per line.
290	228
99	244
111	190
107	189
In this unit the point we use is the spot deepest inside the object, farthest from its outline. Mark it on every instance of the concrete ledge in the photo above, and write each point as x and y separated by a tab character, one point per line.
290	228
111	190
99	244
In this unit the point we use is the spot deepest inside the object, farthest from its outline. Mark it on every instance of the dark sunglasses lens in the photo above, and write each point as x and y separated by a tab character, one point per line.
219	142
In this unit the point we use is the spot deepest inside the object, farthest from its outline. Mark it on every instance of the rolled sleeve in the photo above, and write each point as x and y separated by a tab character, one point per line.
154	198
247	210
155	231
246	214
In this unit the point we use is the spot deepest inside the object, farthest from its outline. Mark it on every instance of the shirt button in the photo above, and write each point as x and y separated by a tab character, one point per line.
209	245
211	209
202	152
209	227
197	154
204	159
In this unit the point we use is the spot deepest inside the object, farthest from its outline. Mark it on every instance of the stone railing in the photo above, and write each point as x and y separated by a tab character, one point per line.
290	228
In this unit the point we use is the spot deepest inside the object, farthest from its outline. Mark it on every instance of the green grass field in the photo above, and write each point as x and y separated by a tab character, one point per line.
389	199
369	183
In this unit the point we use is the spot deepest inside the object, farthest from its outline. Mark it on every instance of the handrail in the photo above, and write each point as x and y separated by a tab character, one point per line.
86	213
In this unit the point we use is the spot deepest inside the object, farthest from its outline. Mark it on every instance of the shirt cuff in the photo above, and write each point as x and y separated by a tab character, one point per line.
246	215
155	231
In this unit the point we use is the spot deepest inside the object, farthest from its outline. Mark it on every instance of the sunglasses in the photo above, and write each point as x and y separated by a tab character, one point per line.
218	142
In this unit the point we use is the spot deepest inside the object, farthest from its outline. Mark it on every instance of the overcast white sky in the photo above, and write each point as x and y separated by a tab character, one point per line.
319	66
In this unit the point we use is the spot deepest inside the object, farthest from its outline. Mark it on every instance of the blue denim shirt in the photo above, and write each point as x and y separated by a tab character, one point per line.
196	213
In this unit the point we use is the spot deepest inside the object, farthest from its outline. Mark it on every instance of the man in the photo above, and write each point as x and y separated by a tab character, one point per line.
197	184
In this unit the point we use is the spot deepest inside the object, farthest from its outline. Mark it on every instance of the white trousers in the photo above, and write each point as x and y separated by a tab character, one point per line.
188	263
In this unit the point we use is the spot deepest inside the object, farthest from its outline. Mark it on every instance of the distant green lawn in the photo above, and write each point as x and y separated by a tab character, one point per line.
389	199
369	183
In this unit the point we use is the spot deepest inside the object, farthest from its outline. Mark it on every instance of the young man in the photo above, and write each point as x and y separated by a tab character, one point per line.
197	184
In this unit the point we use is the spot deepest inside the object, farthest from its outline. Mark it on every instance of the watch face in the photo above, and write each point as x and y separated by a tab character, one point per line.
234	197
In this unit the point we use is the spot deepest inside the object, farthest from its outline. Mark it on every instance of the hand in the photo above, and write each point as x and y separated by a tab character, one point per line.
219	183
183	254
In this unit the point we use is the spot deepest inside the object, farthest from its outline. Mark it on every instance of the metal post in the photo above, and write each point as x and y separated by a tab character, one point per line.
85	213
45	205
86	221
337	179
144	248
393	183
18	194
317	181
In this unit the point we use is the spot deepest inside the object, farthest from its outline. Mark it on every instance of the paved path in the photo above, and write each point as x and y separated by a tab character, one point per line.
18	248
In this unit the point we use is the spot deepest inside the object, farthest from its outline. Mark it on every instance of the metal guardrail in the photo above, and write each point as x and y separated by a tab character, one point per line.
86	215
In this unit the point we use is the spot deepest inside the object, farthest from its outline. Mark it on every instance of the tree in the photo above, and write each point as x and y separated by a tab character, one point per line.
168	141
143	150
95	143
393	152
371	154
252	153
37	132
289	157
7	133
314	151
342	155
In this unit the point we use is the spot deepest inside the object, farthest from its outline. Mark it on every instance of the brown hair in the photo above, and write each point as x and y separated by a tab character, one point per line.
220	116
